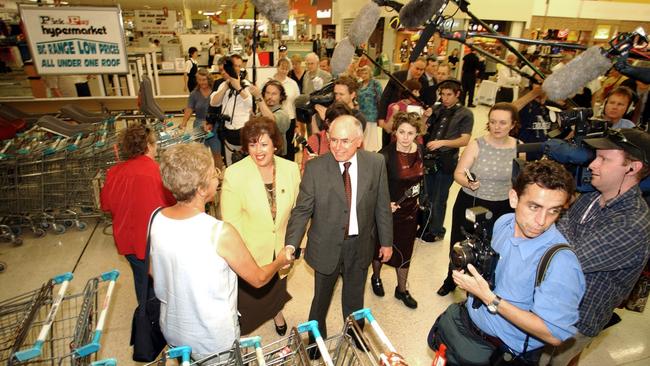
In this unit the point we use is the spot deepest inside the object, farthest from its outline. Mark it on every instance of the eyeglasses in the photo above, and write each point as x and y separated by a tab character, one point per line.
618	138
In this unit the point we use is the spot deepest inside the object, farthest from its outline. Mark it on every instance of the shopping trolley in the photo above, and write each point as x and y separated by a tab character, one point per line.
354	347
39	328
290	350
230	357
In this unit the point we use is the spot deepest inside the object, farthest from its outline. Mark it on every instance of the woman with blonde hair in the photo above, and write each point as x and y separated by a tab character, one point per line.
196	259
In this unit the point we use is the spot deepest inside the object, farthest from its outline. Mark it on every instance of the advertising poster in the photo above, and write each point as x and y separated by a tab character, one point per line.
75	40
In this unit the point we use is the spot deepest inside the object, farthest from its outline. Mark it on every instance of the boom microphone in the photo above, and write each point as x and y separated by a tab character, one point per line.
274	10
571	78
364	24
426	34
342	56
417	12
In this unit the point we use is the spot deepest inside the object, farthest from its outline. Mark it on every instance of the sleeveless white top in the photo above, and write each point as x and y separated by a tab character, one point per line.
196	287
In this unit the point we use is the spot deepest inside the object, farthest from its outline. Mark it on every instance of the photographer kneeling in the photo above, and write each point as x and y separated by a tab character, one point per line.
236	104
519	317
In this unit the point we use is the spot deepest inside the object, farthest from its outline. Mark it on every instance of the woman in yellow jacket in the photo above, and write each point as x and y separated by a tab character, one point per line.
257	197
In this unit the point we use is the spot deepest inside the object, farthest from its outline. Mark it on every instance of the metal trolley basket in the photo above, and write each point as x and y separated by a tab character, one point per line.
230	357
353	346
41	327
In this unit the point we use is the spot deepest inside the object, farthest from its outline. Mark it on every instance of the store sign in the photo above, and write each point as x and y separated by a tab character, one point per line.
75	40
322	14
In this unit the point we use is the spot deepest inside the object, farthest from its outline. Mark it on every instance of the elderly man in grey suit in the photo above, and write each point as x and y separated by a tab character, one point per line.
342	236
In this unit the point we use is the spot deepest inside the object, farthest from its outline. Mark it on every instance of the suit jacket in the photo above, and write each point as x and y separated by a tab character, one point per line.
322	199
245	206
392	91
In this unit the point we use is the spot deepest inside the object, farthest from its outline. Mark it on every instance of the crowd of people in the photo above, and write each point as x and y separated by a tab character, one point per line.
360	209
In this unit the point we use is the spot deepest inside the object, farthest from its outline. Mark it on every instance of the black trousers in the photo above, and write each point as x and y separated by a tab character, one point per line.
140	276
469	84
354	281
291	151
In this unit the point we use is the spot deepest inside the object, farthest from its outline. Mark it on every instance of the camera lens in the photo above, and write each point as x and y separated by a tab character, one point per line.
462	255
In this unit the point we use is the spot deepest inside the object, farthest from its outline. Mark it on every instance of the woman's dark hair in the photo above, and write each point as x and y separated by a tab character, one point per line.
335	110
412	85
410	118
191	51
546	174
514	116
134	141
256	127
279	86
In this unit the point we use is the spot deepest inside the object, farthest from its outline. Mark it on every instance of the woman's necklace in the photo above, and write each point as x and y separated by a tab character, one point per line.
407	151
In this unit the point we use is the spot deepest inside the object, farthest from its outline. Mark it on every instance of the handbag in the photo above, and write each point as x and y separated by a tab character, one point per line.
146	337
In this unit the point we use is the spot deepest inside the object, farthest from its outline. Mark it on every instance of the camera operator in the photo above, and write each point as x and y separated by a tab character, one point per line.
518	318
345	91
449	128
236	104
610	232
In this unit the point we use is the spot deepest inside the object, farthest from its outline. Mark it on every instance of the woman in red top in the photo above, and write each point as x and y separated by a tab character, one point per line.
133	190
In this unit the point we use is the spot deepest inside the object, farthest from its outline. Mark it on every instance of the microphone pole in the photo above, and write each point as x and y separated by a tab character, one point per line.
464	6
254	47
528	41
361	52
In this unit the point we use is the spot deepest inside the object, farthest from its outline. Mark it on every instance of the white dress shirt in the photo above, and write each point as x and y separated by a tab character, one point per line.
353	225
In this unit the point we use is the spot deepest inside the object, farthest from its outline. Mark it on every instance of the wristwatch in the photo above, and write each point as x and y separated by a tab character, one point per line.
259	100
493	306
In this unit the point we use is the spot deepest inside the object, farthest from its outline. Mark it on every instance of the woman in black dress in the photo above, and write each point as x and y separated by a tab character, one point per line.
405	170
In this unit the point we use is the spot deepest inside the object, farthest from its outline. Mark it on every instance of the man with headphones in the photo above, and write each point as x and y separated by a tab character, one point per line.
448	129
609	230
617	103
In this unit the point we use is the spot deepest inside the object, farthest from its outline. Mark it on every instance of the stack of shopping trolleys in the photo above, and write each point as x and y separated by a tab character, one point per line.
51	174
50	326
351	347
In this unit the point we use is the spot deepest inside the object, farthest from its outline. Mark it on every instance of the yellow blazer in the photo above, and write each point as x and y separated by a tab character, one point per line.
244	205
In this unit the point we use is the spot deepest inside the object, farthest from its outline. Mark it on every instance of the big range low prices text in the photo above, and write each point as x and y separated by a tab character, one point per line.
79	47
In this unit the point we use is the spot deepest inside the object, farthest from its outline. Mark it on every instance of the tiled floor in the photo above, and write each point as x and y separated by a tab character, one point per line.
92	252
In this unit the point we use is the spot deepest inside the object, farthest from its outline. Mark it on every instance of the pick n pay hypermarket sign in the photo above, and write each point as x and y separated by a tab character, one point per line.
75	40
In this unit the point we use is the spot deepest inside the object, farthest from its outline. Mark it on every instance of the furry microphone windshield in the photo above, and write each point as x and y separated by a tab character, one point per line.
364	24
342	57
571	78
274	10
417	12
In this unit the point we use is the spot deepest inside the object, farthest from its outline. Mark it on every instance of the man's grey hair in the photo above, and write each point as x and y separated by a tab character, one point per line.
312	55
349	120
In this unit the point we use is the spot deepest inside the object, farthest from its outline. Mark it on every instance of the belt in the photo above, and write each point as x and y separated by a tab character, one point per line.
495	341
350	236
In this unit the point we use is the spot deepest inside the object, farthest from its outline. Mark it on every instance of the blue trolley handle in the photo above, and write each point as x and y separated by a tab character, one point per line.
35	351
312	326
257	343
366	314
94	345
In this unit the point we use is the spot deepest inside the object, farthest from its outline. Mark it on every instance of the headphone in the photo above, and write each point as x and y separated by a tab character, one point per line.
445	84
623	90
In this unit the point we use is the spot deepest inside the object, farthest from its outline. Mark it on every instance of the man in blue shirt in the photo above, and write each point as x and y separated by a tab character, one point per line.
519	317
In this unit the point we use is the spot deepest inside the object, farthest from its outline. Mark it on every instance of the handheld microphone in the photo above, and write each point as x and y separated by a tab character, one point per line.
570	79
363	25
302	141
342	57
417	12
274	10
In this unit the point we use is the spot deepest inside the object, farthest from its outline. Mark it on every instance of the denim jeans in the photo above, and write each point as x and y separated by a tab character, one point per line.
140	276
437	185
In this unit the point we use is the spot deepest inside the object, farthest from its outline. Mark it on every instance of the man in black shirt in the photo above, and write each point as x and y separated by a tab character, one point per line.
448	129
471	67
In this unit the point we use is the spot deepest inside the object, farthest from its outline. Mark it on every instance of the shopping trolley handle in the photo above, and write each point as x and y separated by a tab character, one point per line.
63	277
182	352
110	275
310	326
105	362
363	314
255	341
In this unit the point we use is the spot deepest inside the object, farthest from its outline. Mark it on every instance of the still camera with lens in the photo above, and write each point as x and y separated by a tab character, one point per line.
476	249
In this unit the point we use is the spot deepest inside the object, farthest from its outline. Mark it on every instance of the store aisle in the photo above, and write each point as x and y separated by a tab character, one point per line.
31	264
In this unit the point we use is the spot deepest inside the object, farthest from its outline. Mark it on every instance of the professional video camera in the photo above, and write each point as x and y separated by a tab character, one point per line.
573	153
305	103
476	249
229	68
